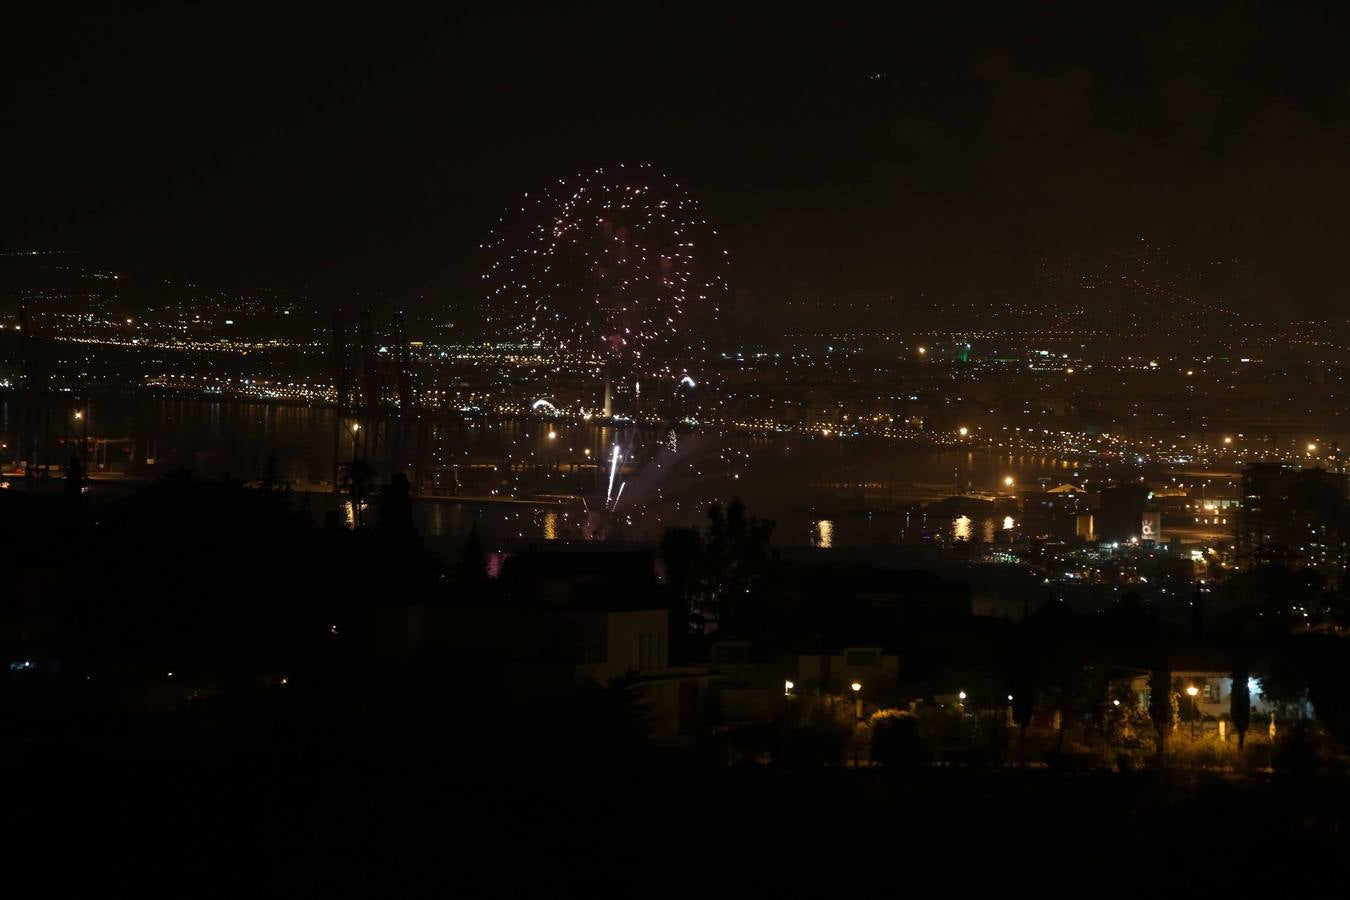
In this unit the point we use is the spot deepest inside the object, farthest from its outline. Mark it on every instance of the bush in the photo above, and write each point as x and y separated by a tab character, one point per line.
947	734
742	745
1072	761
820	732
1204	753
1297	752
1258	755
896	743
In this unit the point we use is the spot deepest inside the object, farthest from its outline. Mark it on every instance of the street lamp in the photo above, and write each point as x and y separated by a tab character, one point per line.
84	436
963	431
787	688
1008	481
857	717
356	427
1191	692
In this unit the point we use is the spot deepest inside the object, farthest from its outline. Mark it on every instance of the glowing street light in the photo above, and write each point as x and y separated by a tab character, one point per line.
787	688
923	351
552	435
79	414
1228	440
962	695
1312	448
856	687
963	431
1008	481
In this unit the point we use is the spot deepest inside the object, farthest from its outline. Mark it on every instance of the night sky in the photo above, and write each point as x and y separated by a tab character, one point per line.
849	154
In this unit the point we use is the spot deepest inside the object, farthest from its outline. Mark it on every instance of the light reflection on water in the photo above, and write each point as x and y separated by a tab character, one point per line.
961	528
823	534
823	493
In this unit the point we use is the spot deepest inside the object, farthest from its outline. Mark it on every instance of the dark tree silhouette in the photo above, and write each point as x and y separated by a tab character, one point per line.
471	577
722	576
682	551
1160	702
1197	613
1240	702
1329	683
271	479
1023	700
396	518
74	486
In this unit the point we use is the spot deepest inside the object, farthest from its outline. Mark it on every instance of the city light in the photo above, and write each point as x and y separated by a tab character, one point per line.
215	517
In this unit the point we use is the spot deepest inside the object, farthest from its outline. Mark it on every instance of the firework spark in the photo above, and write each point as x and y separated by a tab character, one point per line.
617	262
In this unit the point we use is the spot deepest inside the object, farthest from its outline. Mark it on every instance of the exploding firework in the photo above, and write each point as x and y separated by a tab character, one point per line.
616	263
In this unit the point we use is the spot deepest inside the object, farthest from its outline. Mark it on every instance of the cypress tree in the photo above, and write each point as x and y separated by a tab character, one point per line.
1160	701
1241	703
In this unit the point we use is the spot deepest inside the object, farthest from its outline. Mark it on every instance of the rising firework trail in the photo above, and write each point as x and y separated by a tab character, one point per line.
613	469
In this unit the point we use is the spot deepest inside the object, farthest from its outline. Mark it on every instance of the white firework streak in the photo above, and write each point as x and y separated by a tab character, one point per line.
613	467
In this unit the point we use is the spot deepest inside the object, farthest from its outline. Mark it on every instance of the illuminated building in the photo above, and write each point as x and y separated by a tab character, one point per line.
1294	515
